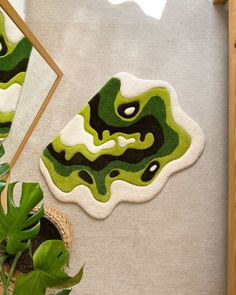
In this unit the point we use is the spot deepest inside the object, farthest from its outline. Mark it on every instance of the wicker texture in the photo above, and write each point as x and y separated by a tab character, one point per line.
62	223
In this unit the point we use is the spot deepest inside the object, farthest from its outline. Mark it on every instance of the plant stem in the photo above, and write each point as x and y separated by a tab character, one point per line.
13	268
5	291
2	272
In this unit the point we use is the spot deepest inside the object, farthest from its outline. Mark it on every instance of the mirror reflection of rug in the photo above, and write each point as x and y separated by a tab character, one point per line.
122	146
15	51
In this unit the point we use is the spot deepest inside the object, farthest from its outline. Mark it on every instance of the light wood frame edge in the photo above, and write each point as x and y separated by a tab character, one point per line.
231	282
231	247
7	7
219	1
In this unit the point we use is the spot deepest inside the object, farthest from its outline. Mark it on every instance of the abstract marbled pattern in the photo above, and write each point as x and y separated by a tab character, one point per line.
14	58
122	146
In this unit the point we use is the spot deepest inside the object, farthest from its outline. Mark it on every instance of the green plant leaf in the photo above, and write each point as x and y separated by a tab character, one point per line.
16	226
2	151
3	276
2	248
2	185
64	292
49	260
5	167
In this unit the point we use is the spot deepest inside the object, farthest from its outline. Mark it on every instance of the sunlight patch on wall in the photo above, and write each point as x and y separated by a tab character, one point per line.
153	8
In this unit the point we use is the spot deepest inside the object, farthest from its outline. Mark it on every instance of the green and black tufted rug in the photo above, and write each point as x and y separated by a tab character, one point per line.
122	146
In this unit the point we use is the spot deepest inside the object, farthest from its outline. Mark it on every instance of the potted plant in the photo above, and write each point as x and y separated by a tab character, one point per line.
19	226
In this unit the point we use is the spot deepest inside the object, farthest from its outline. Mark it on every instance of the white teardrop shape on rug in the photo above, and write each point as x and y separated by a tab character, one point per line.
153	168
129	111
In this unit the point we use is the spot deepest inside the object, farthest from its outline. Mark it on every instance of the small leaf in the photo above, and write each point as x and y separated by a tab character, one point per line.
16	227
2	185
64	292
2	151
49	261
51	257
4	169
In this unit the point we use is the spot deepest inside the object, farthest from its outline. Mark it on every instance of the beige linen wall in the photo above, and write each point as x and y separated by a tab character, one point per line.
175	244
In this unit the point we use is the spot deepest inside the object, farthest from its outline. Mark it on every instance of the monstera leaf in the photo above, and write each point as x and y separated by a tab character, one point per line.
49	261
4	169
18	225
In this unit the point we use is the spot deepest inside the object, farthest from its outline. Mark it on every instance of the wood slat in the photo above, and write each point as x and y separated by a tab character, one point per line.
232	152
219	1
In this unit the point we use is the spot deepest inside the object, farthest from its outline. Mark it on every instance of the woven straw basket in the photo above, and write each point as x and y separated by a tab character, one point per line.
62	223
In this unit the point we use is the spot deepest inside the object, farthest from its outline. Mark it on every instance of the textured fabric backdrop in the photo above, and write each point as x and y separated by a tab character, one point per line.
176	243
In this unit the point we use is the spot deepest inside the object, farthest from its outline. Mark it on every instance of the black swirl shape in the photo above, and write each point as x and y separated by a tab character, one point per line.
6	76
85	176
3	50
5	125
148	174
114	173
122	108
133	156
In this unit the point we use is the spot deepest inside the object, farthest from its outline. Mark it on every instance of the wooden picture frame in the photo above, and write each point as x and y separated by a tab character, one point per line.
11	12
231	260
231	254
232	152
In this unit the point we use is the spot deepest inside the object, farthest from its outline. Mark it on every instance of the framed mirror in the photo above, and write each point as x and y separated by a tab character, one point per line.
28	79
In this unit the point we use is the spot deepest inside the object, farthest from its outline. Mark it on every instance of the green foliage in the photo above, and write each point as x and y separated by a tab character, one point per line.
64	292
16	226
4	169
49	261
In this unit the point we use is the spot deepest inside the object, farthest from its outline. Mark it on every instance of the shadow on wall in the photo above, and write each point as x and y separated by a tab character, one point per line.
153	8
